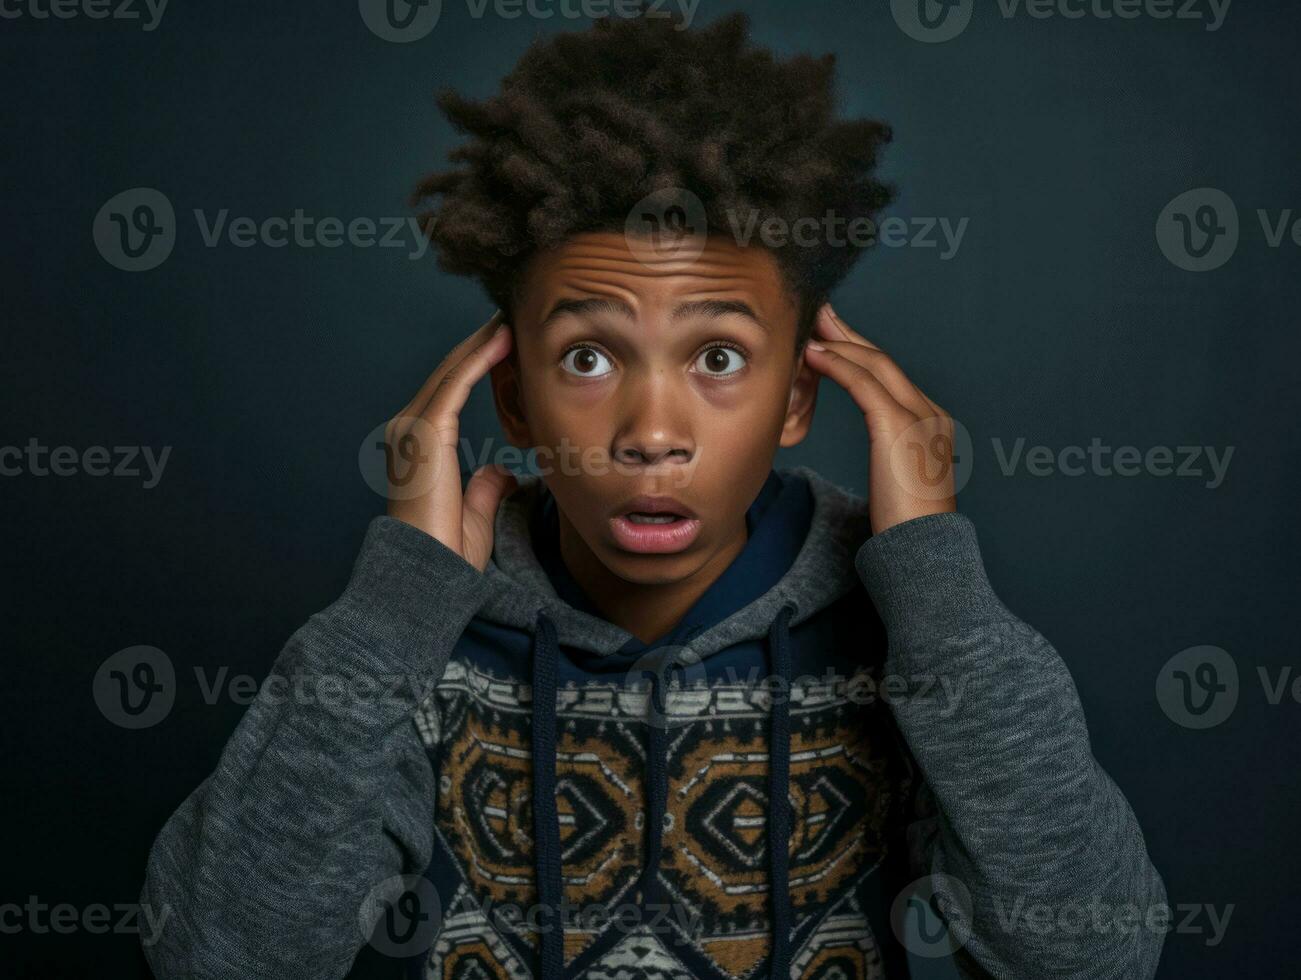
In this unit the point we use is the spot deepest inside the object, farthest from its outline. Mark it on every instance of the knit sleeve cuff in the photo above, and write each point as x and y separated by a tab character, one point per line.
410	596
927	580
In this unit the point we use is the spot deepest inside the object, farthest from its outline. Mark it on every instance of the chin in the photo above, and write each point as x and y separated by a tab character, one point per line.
650	569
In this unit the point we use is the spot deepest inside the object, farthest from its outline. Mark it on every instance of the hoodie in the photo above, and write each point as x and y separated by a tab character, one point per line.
755	793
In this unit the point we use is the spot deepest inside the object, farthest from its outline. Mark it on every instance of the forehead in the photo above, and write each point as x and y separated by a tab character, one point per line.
611	265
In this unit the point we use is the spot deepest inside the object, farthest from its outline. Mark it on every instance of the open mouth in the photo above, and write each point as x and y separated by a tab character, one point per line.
660	532
639	517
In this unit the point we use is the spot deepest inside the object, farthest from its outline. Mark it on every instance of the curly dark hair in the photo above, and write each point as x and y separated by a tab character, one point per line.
588	124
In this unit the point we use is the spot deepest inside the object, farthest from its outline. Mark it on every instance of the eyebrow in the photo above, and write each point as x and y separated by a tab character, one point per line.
711	308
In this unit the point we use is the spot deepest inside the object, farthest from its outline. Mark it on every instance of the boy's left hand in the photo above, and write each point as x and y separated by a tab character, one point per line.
910	468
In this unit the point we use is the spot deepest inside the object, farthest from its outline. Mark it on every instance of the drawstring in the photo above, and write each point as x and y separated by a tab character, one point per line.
546	825
657	777
779	817
546	822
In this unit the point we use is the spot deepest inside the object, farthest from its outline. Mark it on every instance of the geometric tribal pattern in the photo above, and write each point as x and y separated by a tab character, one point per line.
468	948
842	790
841	948
638	956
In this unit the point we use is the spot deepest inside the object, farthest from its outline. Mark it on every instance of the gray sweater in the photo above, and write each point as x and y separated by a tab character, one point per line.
1033	857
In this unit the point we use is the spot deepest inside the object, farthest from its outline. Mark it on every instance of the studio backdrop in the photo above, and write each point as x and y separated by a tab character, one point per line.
214	292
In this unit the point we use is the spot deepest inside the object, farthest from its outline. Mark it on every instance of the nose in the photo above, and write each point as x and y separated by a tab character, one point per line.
656	428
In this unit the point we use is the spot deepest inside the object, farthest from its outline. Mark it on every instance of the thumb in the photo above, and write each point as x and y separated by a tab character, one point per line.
485	491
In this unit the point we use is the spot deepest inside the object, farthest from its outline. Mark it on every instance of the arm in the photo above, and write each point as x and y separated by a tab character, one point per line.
322	791
1026	823
1027	820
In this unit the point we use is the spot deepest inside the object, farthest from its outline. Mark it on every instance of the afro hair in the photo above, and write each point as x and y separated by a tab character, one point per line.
589	124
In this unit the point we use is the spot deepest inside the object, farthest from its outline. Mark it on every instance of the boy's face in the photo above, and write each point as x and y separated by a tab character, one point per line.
669	372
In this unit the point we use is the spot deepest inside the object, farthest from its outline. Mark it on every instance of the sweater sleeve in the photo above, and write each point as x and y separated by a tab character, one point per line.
1035	857
324	790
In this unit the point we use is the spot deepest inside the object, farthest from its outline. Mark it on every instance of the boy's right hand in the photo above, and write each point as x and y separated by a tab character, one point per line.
421	443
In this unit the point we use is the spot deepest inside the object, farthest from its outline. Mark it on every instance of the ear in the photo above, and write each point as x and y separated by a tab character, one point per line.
803	400
508	398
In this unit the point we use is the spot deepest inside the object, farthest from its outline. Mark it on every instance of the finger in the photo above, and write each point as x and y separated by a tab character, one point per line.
485	491
836	321
881	367
872	397
931	402
457	380
437	430
471	341
832	327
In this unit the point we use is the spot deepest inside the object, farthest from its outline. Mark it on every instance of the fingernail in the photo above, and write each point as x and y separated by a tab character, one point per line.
815	345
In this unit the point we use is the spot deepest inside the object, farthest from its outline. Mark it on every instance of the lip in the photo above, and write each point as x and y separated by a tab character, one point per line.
654	539
654	504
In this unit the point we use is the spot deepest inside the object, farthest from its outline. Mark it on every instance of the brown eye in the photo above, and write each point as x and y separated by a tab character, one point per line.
721	361
586	362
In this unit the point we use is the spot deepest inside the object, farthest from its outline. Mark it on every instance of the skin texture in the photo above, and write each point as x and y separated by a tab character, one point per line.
628	394
651	404
425	432
910	438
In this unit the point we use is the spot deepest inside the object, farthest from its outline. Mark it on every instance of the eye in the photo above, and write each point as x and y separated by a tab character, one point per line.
586	362
720	360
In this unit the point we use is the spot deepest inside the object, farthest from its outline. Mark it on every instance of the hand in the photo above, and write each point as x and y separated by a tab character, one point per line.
423	437
910	469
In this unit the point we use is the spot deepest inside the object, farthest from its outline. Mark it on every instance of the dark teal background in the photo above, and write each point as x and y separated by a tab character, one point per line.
1058	320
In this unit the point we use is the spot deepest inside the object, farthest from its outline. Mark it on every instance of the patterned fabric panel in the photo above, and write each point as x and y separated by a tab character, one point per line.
714	866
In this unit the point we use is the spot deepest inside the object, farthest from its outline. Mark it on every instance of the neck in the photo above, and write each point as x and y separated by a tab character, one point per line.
647	611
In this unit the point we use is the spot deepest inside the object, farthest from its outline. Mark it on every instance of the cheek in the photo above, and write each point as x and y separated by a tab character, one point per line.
731	407
598	406
562	414
553	402
748	408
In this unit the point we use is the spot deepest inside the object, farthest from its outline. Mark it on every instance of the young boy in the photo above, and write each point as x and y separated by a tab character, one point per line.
647	724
